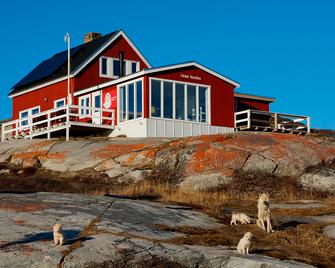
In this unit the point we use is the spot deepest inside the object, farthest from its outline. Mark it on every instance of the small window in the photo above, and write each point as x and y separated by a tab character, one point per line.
180	101
123	104
168	106
131	101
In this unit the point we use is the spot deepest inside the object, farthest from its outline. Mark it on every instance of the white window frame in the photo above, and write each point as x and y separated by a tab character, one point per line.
135	100
107	67
59	100
29	110
110	67
208	103
89	105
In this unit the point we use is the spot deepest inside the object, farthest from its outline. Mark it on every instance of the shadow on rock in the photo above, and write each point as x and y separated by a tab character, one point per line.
70	235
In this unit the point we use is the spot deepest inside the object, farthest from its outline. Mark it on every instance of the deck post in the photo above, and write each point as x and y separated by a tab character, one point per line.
67	123
276	122
49	126
16	130
30	128
308	125
249	119
2	133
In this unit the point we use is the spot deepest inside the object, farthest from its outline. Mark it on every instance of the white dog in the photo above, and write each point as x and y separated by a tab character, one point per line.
244	244
264	214
58	234
239	217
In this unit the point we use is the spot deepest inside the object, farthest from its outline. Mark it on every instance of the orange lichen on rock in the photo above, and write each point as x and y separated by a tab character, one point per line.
56	157
28	159
114	150
208	157
41	144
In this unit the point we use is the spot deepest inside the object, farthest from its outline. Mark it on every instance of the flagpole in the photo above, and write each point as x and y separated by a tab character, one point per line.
68	40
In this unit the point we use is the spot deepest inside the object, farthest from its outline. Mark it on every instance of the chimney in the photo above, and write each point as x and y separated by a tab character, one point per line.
91	36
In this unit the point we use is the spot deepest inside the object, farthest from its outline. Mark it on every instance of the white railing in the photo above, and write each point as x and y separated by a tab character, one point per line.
56	119
255	119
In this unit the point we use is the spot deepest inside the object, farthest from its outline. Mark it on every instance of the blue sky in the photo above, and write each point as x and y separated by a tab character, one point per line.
283	49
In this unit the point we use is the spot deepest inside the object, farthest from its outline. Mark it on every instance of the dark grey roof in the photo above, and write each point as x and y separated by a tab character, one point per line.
56	66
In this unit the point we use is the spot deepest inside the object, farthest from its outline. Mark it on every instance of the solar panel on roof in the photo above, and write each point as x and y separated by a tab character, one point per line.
47	67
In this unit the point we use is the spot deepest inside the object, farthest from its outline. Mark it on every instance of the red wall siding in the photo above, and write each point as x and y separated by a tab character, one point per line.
245	104
37	98
90	76
222	93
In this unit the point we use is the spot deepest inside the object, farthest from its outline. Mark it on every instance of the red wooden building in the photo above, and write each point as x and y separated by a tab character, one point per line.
114	88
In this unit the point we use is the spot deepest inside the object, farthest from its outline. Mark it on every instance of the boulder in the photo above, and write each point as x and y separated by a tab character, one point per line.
322	178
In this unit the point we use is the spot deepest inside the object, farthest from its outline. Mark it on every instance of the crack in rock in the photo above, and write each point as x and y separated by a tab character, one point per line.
83	235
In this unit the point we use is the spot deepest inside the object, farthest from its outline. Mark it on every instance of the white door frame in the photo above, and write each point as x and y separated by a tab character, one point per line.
96	120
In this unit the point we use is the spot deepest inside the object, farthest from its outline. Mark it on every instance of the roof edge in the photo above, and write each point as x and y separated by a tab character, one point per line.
254	97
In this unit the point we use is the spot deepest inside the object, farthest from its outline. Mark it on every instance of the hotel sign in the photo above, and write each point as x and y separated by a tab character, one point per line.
193	77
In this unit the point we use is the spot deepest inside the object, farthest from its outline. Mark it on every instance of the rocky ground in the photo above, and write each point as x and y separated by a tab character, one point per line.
109	232
199	181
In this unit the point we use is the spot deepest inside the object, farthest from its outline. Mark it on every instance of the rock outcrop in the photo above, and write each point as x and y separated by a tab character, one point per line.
197	163
108	232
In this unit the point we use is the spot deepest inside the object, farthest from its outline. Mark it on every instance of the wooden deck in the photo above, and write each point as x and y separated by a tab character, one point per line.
62	119
268	121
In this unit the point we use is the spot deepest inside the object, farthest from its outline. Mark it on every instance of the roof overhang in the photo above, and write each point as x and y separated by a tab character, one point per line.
253	97
84	64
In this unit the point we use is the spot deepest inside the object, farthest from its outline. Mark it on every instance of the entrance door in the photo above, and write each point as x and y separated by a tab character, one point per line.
96	103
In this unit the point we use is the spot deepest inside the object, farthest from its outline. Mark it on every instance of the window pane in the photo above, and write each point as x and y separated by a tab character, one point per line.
202	104
167	89
87	105
130	101
180	101
116	67
60	103
133	67
35	111
122	104
82	103
155	98
97	101
191	103
139	98
104	66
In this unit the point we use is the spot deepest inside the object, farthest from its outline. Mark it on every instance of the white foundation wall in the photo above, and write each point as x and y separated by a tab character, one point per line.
160	127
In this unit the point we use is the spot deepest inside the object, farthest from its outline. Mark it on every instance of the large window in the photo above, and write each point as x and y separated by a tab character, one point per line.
110	67
180	101
177	100
191	103
168	103
123	106
203	104
139	99
27	113
155	98
130	101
